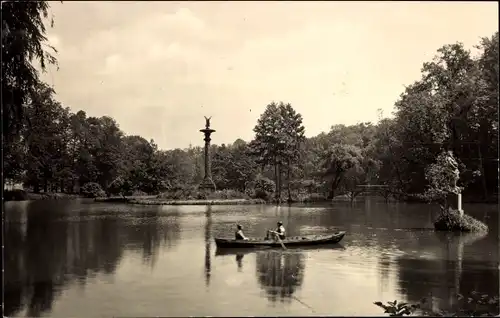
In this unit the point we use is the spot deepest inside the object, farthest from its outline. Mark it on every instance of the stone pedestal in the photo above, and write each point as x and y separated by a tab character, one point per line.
454	201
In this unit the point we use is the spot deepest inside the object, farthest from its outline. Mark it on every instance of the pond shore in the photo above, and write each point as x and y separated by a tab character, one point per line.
22	195
154	201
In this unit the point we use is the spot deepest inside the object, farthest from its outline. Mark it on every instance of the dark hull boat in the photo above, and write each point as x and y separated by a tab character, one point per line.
296	241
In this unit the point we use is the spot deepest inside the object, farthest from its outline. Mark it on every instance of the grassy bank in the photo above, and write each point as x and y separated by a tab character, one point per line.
22	195
199	202
157	201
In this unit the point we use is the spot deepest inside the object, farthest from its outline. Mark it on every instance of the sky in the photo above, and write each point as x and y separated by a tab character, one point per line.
158	67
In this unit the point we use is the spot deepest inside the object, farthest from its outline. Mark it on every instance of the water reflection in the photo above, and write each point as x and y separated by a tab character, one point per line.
50	245
384	267
239	261
97	254
280	273
208	236
444	273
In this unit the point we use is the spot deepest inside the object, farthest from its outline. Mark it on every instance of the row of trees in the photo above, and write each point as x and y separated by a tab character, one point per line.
453	106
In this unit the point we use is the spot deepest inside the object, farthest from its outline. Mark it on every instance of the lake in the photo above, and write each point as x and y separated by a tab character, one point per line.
86	259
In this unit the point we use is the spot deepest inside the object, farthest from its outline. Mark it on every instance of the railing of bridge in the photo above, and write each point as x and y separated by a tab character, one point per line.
372	187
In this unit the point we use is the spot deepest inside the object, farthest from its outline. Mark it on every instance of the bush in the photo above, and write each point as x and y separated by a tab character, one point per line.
187	192
137	193
118	187
15	195
261	188
92	190
261	194
475	305
313	197
194	193
450	220
227	194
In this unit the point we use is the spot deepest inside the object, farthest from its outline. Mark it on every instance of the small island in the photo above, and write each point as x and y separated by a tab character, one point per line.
443	176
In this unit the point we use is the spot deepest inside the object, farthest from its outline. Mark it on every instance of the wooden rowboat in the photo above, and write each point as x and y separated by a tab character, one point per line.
296	241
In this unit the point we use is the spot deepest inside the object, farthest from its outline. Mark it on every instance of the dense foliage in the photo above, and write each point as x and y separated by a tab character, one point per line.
23	43
453	106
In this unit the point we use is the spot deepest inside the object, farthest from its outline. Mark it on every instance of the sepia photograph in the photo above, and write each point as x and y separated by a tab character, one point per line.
250	158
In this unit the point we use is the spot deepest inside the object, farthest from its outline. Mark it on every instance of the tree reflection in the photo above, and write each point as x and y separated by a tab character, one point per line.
56	244
448	275
280	273
149	230
384	265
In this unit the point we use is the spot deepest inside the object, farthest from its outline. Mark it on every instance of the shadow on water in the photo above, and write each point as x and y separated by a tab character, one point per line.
449	273
52	244
280	273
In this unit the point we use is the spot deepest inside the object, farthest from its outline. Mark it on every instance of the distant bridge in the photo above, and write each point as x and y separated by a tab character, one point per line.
380	189
372	187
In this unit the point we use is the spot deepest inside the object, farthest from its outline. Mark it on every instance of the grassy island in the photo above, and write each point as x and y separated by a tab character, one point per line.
453	221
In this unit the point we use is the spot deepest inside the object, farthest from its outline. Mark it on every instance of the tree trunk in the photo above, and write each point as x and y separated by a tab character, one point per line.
288	183
483	176
332	191
279	183
335	184
276	180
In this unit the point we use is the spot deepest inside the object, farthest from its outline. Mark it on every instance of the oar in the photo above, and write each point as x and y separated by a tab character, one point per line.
279	239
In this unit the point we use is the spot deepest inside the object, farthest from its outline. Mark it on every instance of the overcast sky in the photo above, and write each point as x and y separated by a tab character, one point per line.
159	67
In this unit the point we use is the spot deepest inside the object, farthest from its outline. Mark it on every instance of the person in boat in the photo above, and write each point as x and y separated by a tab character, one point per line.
239	233
279	232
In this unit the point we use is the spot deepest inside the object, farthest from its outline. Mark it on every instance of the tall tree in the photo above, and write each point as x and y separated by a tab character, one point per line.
267	144
278	134
337	161
45	140
293	137
23	43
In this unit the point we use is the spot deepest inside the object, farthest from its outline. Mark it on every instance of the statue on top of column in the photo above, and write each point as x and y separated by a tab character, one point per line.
207	122
452	170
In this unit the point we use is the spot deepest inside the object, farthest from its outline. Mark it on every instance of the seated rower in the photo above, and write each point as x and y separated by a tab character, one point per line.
280	232
239	234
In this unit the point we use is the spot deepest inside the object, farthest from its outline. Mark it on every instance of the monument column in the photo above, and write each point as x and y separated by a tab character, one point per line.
207	183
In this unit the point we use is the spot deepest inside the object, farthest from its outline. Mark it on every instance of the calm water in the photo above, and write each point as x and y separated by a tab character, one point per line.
83	259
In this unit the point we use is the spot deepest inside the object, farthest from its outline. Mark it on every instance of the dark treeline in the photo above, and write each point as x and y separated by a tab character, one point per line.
453	106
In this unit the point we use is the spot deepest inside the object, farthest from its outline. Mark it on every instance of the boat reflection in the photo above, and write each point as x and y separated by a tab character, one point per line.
244	251
280	273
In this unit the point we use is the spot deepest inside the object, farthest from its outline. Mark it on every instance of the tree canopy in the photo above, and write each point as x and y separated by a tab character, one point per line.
453	106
